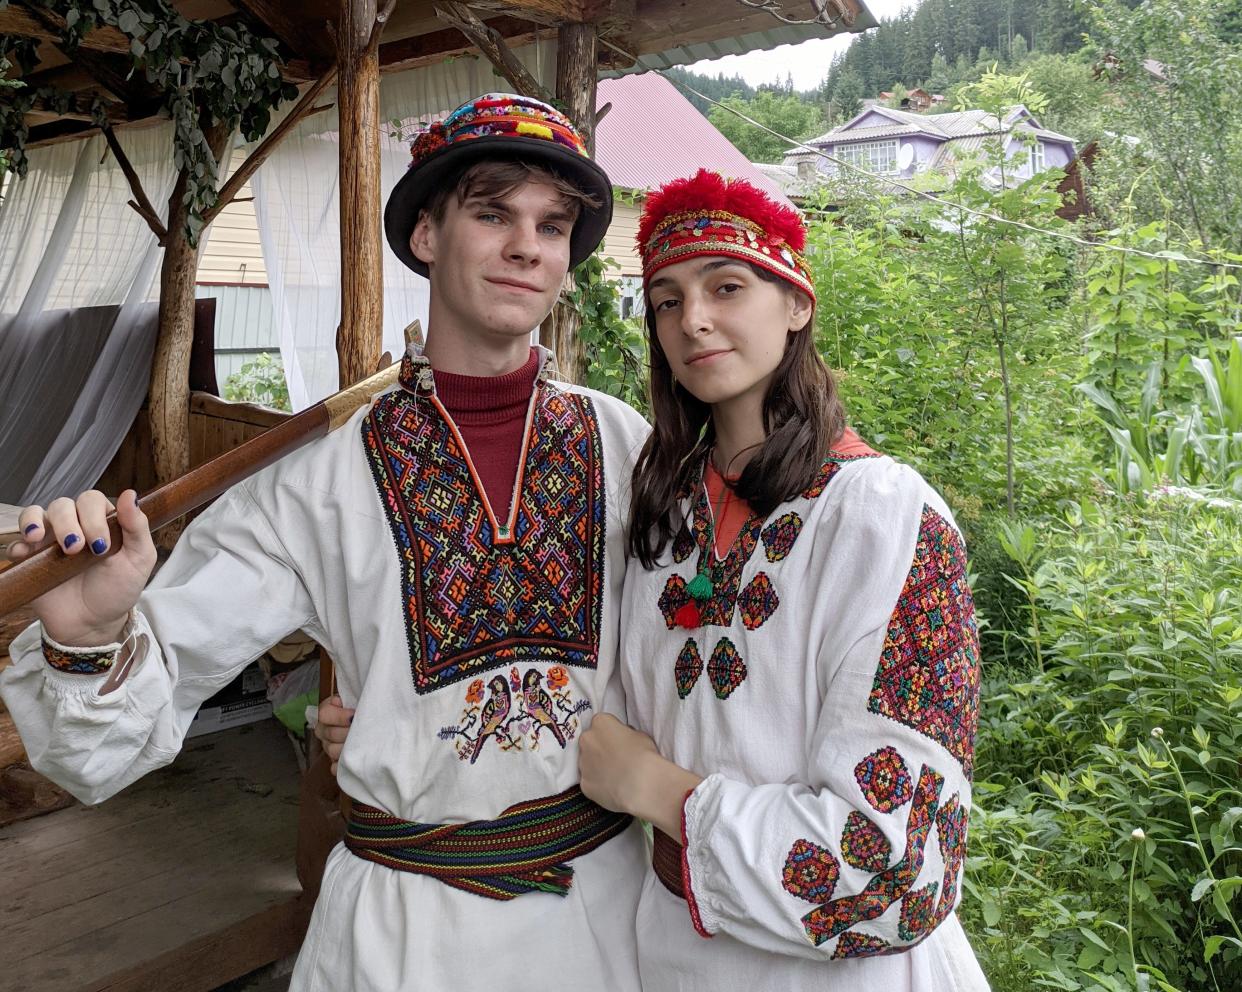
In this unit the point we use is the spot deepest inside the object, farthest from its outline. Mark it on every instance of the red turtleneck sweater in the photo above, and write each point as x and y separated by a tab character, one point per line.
490	413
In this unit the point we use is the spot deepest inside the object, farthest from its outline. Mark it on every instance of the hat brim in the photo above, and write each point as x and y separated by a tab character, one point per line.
418	185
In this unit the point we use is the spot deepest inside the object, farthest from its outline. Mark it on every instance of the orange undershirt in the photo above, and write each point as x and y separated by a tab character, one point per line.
730	513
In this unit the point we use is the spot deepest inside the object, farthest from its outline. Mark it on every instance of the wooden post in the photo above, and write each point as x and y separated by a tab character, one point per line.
169	408
576	83
359	338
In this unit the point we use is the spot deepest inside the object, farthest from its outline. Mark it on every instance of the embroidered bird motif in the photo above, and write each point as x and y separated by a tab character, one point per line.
539	705
494	713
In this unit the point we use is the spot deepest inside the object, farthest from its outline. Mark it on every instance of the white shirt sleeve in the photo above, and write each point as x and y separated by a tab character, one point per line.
866	856
227	593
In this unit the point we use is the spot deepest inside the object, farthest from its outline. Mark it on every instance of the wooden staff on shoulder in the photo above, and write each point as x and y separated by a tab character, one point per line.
48	568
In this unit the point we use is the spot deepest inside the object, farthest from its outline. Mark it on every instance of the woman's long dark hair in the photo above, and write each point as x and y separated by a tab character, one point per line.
802	419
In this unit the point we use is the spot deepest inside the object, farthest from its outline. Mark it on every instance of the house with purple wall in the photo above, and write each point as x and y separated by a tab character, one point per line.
900	144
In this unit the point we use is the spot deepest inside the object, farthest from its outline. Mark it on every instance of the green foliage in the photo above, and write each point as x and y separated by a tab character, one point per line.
1175	121
1134	724
616	349
261	381
204	73
784	113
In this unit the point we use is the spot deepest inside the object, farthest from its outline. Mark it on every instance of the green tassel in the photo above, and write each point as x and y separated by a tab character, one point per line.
700	587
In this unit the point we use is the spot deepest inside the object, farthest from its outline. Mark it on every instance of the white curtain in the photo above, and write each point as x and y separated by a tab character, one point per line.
298	210
77	310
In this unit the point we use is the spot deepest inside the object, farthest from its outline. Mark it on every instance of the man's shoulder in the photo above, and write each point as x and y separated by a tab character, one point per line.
609	408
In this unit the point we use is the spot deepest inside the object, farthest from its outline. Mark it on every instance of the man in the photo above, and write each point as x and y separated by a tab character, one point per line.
458	549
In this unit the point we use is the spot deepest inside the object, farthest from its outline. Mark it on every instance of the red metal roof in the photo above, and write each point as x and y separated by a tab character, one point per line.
654	134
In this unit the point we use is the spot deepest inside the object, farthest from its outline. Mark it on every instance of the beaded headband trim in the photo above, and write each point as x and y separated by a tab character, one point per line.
498	115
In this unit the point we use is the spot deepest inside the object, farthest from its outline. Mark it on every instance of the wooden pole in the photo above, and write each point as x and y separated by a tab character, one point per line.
577	54
359	338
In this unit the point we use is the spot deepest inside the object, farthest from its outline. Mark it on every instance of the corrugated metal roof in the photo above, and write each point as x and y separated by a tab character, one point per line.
775	36
654	134
868	133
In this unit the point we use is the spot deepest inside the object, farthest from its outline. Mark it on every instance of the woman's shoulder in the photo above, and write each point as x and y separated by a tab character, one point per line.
876	491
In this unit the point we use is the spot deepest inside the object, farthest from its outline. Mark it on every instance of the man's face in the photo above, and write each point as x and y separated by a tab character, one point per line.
497	264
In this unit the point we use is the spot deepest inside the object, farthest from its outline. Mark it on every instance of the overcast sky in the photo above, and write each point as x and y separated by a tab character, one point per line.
808	62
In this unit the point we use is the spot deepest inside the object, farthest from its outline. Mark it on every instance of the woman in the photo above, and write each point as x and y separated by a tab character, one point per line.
800	655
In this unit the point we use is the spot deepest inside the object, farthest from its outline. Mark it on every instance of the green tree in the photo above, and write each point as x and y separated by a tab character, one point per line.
785	114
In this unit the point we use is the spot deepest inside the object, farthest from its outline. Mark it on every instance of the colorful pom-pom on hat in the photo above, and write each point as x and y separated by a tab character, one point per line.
707	214
500	126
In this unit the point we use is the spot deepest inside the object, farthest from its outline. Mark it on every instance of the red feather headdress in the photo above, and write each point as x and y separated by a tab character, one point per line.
707	214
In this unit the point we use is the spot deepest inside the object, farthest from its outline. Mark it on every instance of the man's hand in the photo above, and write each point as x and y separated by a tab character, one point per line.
332	728
91	608
622	771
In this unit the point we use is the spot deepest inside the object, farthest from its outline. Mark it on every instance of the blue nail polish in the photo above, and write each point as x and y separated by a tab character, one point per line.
71	540
99	545
31	528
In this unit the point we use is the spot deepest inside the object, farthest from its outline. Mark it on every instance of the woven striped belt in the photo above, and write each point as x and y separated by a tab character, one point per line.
526	849
667	862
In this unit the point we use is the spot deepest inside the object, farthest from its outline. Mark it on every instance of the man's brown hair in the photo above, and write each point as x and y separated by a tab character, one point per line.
499	178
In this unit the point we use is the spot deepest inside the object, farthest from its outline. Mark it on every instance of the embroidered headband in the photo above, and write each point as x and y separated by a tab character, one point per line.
707	214
498	115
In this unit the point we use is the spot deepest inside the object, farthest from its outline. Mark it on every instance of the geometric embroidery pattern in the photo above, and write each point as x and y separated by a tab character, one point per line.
673	598
683	545
688	668
475	599
918	913
779	536
890	885
758	602
863	844
79	662
826	472
928	675
811	872
859	945
884	780
725	669
951	823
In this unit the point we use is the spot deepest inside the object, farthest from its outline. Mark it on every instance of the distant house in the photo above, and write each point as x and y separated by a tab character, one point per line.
916	100
900	144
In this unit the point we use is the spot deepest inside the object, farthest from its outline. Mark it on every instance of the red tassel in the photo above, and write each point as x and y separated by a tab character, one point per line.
688	616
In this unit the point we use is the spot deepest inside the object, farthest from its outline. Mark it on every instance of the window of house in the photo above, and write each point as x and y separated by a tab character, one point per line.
879	157
1038	160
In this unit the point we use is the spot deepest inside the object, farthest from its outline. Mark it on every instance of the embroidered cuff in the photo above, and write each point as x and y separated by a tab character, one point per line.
80	661
687	889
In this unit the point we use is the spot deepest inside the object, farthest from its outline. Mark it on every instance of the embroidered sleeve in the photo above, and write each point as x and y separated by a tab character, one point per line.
80	661
866	858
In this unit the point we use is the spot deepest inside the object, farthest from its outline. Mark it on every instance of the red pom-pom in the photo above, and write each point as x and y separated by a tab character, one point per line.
688	617
711	191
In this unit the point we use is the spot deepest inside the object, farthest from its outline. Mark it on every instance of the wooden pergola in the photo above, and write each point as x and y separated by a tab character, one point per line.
352	42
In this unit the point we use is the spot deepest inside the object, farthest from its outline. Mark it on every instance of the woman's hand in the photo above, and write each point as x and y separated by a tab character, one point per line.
622	771
332	727
92	607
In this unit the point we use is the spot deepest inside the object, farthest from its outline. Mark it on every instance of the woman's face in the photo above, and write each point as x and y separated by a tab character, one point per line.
722	327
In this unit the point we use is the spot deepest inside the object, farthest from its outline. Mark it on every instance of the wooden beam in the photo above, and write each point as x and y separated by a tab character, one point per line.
25	24
360	335
491	44
304	108
295	32
434	46
540	11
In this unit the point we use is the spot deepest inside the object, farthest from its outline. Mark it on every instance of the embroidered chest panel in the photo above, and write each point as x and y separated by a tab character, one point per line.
474	597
